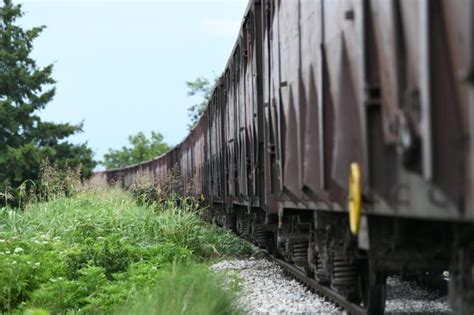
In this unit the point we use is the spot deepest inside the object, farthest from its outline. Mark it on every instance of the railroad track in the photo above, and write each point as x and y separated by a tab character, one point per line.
321	290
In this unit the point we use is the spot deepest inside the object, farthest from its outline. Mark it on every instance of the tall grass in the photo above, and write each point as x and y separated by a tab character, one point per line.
192	289
98	250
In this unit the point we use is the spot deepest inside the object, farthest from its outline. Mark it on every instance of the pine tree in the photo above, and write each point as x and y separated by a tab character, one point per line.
25	89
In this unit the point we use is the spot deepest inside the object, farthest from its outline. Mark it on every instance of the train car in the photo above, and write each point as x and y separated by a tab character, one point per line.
198	159
339	137
367	113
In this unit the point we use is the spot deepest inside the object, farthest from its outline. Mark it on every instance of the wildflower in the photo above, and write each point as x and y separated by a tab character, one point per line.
14	262
2	241
37	265
18	250
44	242
7	252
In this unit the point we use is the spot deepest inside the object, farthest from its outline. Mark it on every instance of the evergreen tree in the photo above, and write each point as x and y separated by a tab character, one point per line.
142	149
25	89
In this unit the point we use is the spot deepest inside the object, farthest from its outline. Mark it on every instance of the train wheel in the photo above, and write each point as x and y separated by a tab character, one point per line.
372	288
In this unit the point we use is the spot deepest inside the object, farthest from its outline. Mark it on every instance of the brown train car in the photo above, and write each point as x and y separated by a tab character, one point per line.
382	85
198	158
340	136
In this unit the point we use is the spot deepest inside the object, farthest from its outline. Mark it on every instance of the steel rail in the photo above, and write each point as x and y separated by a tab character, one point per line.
321	290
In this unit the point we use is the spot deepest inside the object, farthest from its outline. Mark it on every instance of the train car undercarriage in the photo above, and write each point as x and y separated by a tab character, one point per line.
321	245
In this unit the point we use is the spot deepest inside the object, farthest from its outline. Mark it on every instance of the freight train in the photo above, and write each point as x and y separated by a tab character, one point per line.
340	137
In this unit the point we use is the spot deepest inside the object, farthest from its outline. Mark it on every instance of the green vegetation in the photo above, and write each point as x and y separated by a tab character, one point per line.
25	89
190	290
98	251
142	149
203	88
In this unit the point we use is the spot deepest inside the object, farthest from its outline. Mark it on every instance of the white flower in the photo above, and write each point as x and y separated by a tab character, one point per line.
2	241
14	262
44	242
7	252
18	250
37	264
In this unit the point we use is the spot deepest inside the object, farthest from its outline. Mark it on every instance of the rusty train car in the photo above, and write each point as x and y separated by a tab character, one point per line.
340	137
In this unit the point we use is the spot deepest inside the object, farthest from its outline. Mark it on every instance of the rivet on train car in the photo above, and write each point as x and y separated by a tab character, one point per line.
355	197
349	14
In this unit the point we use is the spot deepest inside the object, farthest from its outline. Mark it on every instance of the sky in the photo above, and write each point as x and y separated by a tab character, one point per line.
121	66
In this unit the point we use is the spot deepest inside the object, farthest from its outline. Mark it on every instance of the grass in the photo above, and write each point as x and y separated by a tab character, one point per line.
99	251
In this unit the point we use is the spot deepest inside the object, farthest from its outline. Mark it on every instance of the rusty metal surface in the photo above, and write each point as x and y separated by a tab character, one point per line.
314	85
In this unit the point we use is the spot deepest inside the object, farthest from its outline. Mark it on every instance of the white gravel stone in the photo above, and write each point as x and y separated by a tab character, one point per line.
266	290
408	298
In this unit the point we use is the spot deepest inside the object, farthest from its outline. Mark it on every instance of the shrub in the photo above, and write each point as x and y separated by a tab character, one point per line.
97	249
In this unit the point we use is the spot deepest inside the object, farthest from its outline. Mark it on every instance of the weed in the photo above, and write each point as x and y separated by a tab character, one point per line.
97	249
56	182
190	289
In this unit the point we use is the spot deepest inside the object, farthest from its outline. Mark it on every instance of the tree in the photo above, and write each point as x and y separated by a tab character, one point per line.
201	87
142	149
25	89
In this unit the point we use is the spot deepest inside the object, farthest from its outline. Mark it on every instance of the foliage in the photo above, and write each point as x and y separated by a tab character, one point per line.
98	250
188	290
202	88
25	89
142	149
54	182
147	191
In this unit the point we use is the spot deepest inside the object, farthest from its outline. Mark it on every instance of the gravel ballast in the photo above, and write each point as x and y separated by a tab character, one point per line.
408	298
266	290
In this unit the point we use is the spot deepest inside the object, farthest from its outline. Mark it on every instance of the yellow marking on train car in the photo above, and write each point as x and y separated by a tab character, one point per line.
355	197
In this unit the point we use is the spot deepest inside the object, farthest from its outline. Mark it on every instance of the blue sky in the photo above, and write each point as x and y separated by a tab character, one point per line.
121	66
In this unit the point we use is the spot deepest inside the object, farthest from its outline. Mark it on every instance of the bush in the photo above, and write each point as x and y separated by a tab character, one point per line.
98	249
